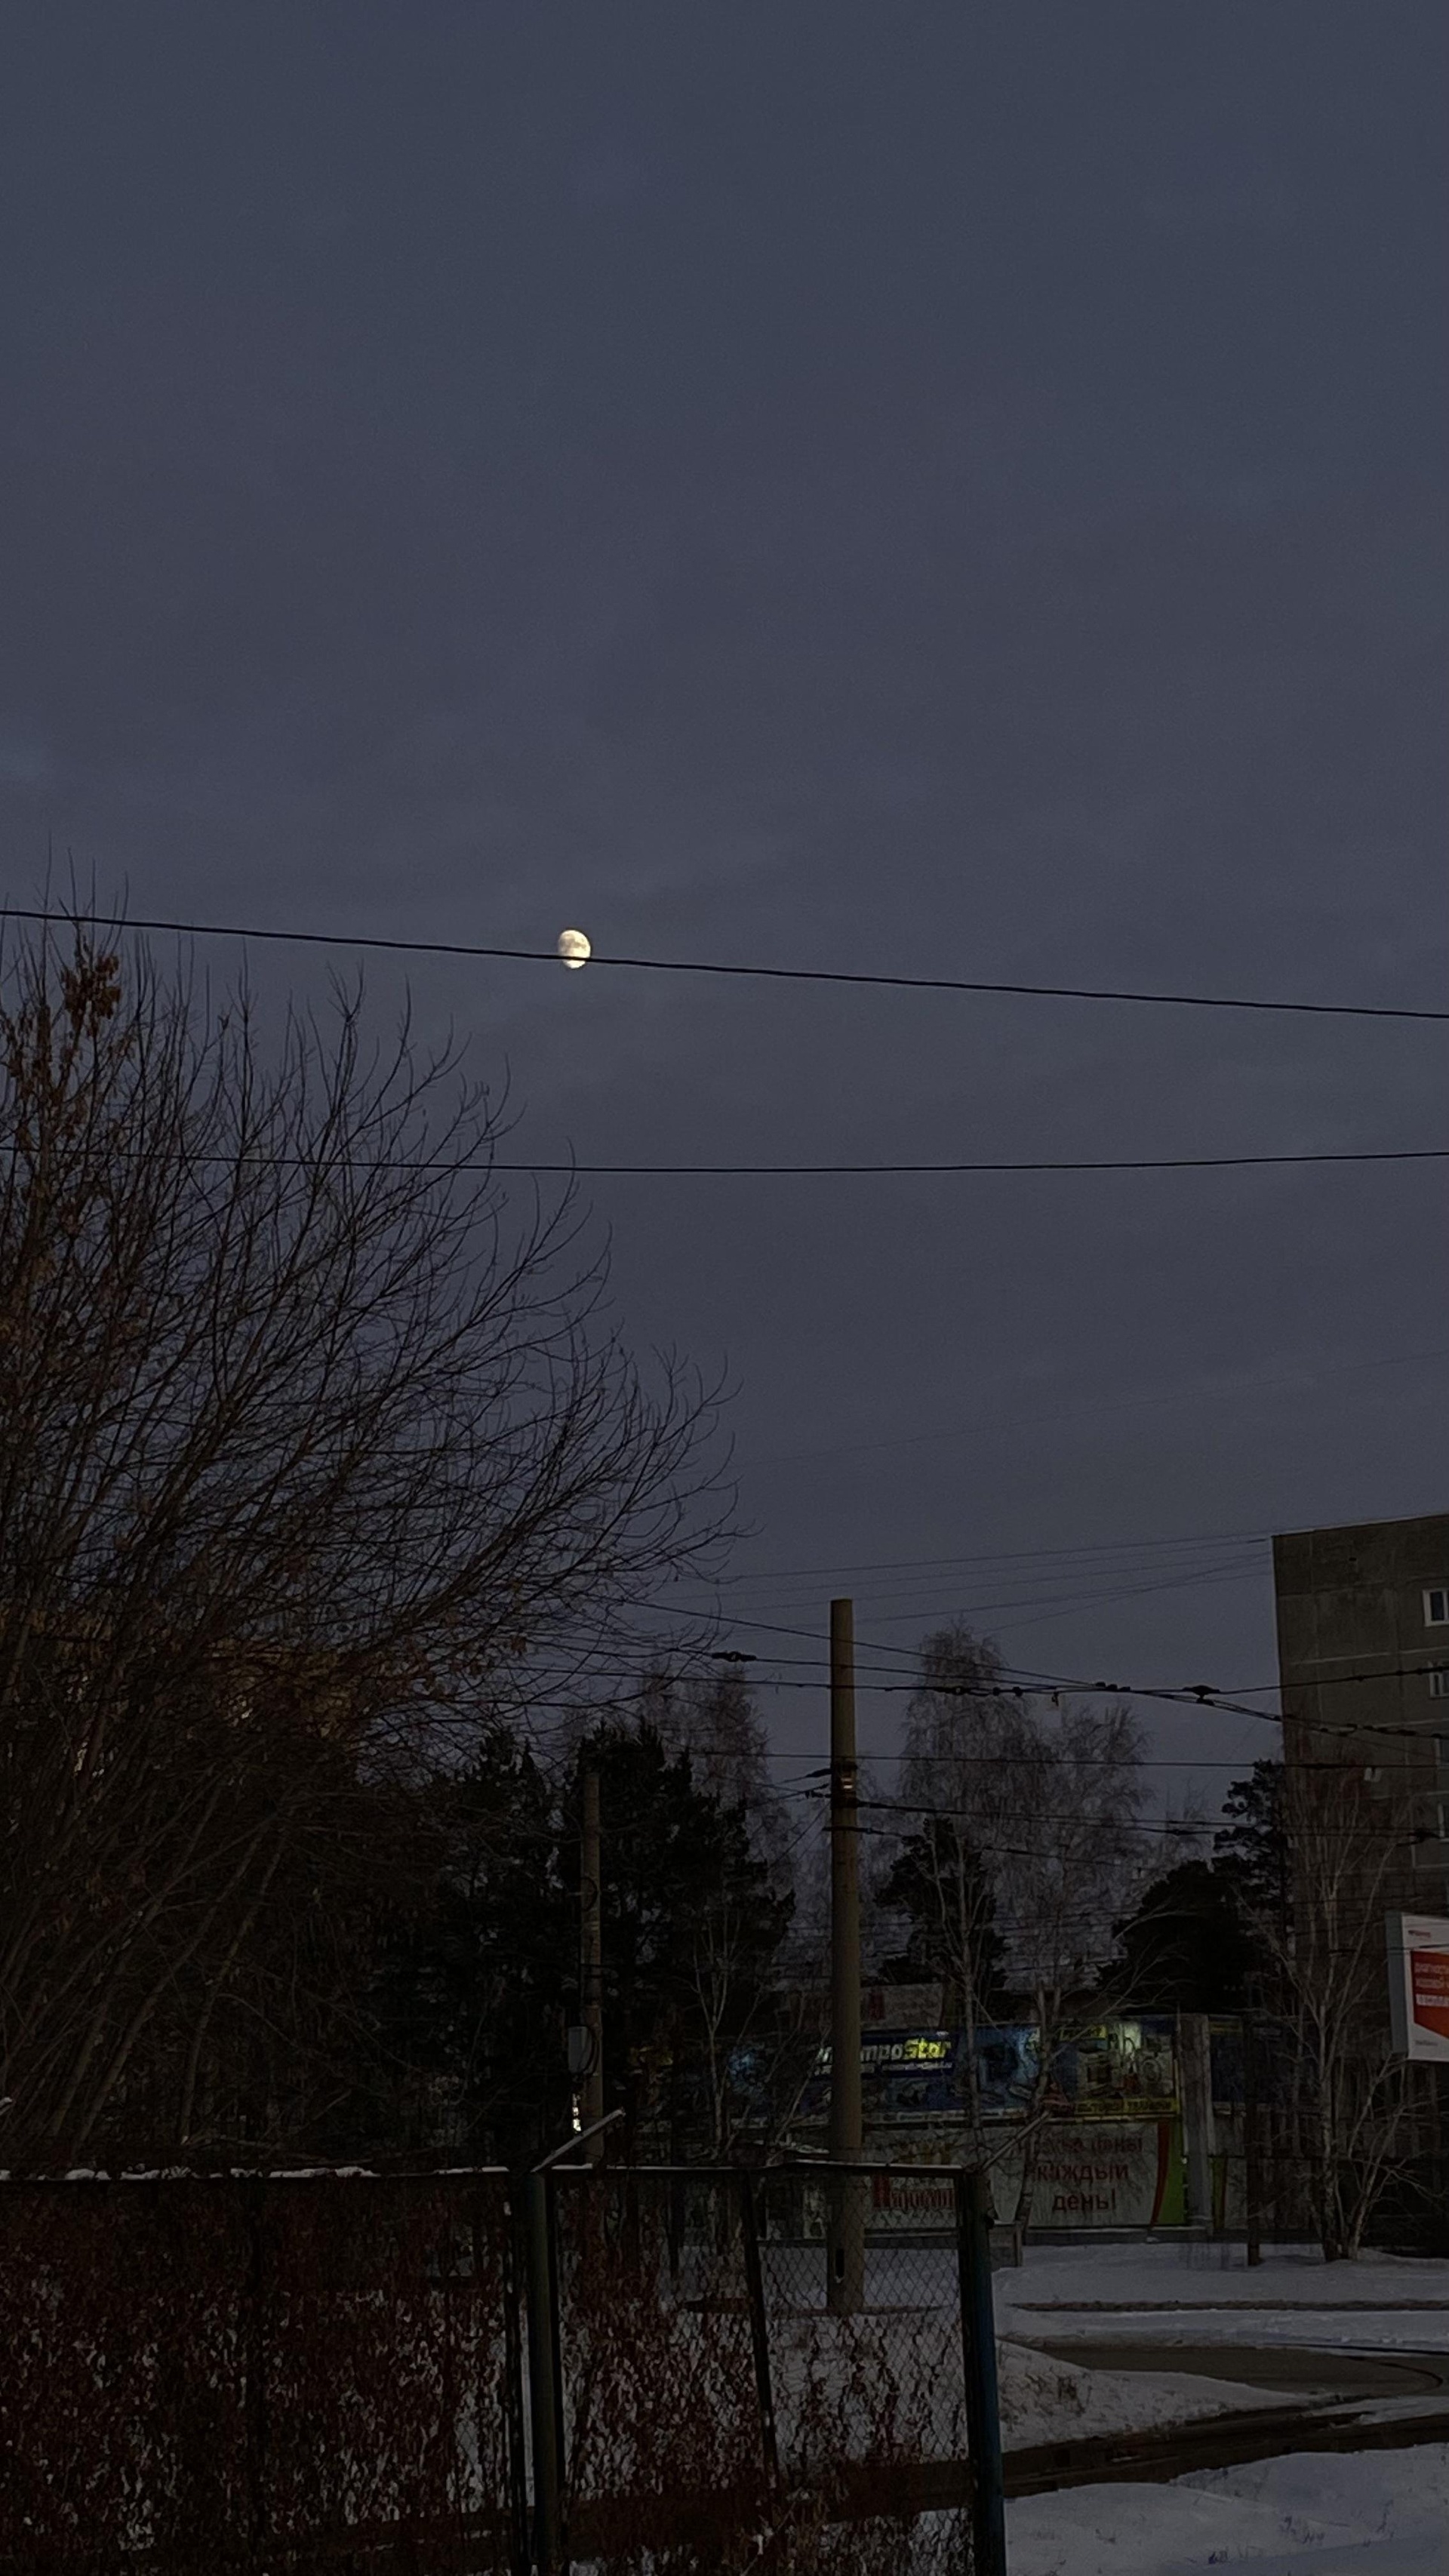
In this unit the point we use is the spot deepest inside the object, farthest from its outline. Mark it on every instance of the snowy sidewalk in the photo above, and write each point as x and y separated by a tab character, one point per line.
1385	2513
1183	2298
1166	2289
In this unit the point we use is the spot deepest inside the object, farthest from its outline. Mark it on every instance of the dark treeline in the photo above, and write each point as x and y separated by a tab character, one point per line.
1202	1936
420	2006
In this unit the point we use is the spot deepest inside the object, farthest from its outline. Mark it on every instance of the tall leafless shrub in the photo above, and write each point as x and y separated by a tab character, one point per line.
315	1450
958	1786
1074	1855
1325	1986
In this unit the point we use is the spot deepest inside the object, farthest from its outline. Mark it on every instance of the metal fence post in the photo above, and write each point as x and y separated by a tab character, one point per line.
543	2376
759	2325
978	2339
254	2345
502	2238
545	2366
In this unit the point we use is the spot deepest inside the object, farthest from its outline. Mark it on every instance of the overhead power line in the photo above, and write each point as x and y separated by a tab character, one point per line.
941	1171
1026	1604
1174	1828
1018	1555
1200	1698
727	967
1022	1681
979	1166
1018	1683
484	1166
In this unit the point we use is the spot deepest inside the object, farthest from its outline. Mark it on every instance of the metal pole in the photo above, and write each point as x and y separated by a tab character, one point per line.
591	1966
978	2345
502	2227
543	2377
255	2400
845	2281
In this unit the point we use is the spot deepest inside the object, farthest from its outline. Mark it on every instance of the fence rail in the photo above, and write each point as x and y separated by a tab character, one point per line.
285	2374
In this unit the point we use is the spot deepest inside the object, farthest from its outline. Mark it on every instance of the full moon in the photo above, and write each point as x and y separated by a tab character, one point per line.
574	948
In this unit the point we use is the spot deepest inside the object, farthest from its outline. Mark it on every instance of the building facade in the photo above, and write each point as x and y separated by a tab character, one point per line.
1363	1660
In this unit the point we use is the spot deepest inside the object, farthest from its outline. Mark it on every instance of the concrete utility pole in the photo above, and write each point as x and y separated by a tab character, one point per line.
591	1967
846	2238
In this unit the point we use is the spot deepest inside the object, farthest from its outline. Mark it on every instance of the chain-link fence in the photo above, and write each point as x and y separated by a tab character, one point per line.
869	2376
727	2392
281	2375
273	2374
662	2418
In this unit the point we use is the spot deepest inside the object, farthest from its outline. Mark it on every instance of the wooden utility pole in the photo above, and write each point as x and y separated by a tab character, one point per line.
846	2239
591	1968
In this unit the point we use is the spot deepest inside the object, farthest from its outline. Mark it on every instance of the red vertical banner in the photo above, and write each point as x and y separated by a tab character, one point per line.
1419	1987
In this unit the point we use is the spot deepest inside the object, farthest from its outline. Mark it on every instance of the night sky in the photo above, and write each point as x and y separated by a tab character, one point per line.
945	488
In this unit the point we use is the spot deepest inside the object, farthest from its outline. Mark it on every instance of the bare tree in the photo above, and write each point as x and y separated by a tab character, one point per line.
1064	1876
713	1718
738	2015
1326	1991
317	1456
957	1783
749	2026
1021	1852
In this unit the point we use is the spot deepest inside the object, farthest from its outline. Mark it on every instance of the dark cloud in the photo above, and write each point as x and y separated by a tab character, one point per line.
811	484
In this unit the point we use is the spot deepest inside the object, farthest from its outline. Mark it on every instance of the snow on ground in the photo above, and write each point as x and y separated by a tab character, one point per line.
1139	2286
912	2326
1380	2513
1044	2400
1199	2294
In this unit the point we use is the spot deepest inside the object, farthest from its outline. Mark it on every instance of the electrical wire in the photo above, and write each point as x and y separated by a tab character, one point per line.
1173	1828
1019	1684
1022	1685
1188	1696
460	1167
1031	1555
729	968
570	1168
1020	1680
1043	1605
939	1171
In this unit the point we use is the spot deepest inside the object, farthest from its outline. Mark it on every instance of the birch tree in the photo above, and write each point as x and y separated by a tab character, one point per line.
1023	1849
1074	1856
957	1785
1322	1943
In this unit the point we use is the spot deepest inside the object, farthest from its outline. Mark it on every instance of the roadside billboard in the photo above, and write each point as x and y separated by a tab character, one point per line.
1094	2173
1419	1987
1116	2070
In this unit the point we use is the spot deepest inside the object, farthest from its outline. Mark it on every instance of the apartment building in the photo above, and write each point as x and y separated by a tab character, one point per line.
1363	1659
